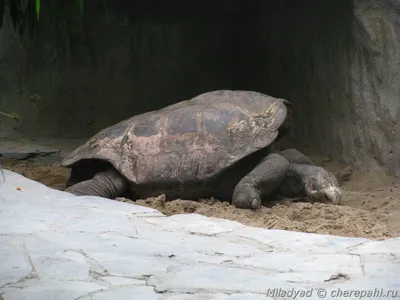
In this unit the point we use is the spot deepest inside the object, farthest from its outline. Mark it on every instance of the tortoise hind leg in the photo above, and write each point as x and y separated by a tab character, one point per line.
108	183
260	182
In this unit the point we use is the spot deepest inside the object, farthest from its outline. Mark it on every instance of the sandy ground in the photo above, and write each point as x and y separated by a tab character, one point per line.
370	206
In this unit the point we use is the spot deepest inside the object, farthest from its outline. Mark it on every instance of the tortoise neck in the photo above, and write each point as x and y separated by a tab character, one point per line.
300	171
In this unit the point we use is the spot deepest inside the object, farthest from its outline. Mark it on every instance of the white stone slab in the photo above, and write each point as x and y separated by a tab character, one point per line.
54	245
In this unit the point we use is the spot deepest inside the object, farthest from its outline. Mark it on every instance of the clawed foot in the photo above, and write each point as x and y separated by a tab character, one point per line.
246	197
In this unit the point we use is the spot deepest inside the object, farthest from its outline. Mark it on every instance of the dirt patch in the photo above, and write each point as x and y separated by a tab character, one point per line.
305	217
53	175
370	206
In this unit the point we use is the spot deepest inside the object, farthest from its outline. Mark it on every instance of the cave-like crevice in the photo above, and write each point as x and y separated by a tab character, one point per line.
337	61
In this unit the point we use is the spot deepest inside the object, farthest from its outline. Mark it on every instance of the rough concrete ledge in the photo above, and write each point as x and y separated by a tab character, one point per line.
54	245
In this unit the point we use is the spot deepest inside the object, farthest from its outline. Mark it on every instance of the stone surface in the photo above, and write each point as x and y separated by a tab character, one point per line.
19	150
54	245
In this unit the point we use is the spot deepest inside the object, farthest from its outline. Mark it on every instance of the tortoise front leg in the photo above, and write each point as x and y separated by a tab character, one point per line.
107	184
260	182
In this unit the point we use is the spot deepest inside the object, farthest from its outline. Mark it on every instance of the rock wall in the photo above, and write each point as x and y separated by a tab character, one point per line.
374	138
341	69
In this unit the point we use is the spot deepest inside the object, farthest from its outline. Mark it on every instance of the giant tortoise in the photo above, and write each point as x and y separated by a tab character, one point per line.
214	145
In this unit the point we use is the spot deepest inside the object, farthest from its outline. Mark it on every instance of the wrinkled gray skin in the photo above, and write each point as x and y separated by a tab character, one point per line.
214	145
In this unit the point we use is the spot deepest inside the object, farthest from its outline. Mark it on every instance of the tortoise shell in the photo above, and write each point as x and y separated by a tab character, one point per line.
188	141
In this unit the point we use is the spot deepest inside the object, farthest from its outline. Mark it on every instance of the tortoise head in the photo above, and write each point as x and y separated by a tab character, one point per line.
322	186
